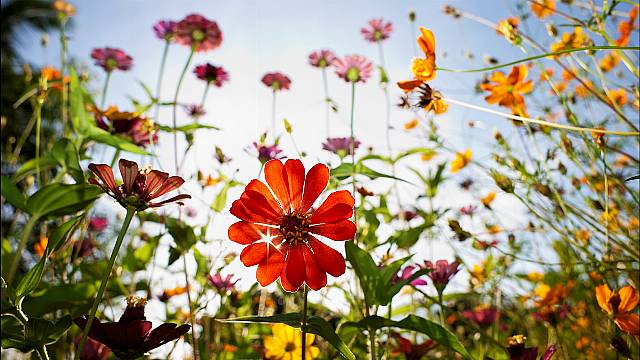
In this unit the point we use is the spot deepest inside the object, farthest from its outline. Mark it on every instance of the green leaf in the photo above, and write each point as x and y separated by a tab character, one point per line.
345	171
66	154
183	235
221	198
59	235
29	167
96	134
13	334
12	194
30	281
416	323
80	119
44	332
291	319
74	298
62	199
365	268
187	128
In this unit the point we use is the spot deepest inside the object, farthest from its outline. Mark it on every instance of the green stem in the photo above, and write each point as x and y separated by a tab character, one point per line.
442	322
194	340
304	323
115	157
326	101
175	111
104	92
372	334
204	95
21	246
163	61
353	139
64	97
105	279
38	111
273	115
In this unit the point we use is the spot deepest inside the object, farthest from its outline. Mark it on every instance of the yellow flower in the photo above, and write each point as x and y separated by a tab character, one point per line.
427	155
488	199
609	61
543	8
411	124
63	7
508	90
494	229
542	291
286	344
461	160
576	39
535	276
619	97
509	29
583	236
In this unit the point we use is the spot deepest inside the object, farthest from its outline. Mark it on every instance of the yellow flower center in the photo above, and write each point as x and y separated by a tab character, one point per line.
423	69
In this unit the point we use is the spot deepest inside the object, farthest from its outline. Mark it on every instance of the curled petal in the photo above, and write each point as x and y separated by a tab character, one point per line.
170	200
105	174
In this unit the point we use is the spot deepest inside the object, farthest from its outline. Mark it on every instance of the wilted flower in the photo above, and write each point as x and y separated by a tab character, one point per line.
199	33
277	81
286	344
353	68
278	229
221	284
212	74
341	146
482	315
110	59
377	30
165	30
131	336
322	58
139	129
442	272
138	187
98	223
517	350
267	152
410	350
195	111
429	99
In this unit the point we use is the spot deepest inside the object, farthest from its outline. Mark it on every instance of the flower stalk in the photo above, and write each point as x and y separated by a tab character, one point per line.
175	109
304	322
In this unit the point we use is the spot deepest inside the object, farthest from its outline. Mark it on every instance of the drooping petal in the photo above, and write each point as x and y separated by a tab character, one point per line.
254	254
315	183
105	173
245	233
270	269
295	266
294	170
329	259
603	293
315	276
337	207
170	200
628	299
274	174
343	230
129	172
409	85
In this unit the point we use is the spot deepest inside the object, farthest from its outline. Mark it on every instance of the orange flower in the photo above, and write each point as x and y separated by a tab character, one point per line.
543	8
582	90
583	235
63	8
576	39
625	28
169	293
619	97
488	199
508	90
41	246
423	69
609	61
620	305
411	124
461	160
622	161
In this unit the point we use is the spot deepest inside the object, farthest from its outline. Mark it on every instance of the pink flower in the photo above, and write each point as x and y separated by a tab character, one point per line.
98	223
212	74
353	68
221	284
199	33
377	30
110	59
322	58
276	81
406	273
482	316
165	29
340	146
195	111
468	210
442	272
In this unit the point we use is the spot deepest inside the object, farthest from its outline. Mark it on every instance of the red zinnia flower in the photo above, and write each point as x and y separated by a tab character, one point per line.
111	58
377	30
410	350
353	68
277	81
278	222
138	187
198	32
212	74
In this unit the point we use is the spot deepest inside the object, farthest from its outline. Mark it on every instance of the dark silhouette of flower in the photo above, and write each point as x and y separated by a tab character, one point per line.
277	81
353	68
110	59
131	336
410	350
165	30
212	74
340	146
199	33
377	30
93	350
517	350
221	284
322	58
138	187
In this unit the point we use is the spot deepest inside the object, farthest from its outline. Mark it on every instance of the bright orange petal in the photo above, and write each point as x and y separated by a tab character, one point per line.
409	85
603	294
628	299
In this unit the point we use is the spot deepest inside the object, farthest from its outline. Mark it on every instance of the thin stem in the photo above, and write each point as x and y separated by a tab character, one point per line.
105	279
372	334
63	63
38	111
442	323
115	157
104	91
194	340
175	111
21	245
327	101
353	139
304	323
42	352
606	201
273	115
204	94
163	61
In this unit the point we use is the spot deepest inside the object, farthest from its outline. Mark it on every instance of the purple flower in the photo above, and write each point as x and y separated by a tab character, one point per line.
277	81
191	212
481	316
321	58
110	59
340	146
221	284
212	74
266	153
468	210
377	30
194	111
442	272
353	68
165	29
406	273
98	223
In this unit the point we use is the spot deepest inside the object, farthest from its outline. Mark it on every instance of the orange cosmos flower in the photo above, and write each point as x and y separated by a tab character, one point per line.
625	28
508	90
41	246
543	8
277	223
620	305
461	160
576	39
609	61
423	69
487	200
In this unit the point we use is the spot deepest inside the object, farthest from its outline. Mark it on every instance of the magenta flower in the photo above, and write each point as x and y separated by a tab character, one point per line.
221	284
322	58
110	59
353	68
406	274
267	152
194	111
199	33
481	316
165	30
340	146
277	81
131	336
468	210
98	223
442	272
212	74
377	30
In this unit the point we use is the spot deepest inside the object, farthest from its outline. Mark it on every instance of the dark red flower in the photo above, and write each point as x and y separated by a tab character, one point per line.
278	229
212	74
138	187
410	350
139	129
110	59
277	81
93	350
517	350
131	336
165	30
482	316
83	248
199	33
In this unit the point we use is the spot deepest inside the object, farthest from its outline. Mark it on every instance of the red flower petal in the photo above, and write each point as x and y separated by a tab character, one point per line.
259	186
129	172
285	283
254	254
337	207
270	269
315	183
170	184
105	173
170	200
154	181
259	204
294	170
274	174
245	233
239	210
315	277
343	230
295	266
329	259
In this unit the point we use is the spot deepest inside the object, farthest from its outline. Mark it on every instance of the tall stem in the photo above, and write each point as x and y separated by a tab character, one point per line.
163	62
38	111
273	115
304	323
372	334
353	139
192	320
104	91
105	279
327	101
441	308
64	97
204	94
175	111
21	245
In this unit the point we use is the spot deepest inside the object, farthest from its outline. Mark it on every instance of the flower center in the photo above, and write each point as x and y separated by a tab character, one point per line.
197	35
294	228
615	303
111	64
353	74
290	347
